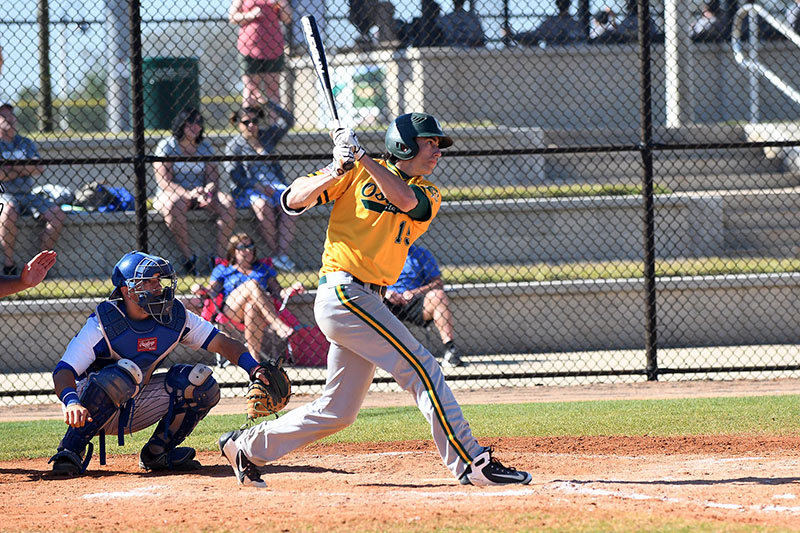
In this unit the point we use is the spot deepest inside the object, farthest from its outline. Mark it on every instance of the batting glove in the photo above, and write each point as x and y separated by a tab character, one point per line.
347	137
342	156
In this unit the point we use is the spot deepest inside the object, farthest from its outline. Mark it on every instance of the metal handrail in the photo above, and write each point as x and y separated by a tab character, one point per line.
752	64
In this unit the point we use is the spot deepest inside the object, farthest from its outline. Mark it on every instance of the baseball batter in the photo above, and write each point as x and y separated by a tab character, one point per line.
380	208
105	377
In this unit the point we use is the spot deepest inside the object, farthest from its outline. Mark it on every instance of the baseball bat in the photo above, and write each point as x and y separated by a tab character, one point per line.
317	52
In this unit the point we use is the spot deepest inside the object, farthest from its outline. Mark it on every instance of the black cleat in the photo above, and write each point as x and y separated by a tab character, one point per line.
180	459
66	463
247	473
486	470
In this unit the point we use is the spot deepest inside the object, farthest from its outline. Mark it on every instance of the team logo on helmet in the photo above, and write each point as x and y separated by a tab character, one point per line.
151	278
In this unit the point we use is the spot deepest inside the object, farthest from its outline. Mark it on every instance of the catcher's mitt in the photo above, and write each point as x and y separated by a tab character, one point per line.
269	390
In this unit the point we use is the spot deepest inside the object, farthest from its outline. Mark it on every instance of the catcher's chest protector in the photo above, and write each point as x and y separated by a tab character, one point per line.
149	343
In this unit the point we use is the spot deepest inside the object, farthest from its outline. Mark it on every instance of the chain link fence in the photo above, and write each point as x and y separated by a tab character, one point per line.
620	203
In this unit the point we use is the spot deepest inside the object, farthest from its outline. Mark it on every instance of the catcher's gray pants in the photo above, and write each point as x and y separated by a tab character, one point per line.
150	406
365	334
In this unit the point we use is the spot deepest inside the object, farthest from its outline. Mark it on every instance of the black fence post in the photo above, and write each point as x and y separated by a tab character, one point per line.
139	147
646	148
45	90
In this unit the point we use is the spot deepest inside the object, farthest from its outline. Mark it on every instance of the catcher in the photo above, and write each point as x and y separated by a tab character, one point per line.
106	379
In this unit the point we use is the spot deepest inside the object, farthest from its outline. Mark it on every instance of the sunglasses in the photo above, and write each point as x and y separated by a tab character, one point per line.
195	120
247	122
245	246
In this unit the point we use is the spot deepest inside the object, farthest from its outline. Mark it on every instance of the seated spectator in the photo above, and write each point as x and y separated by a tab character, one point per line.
258	185
627	31
462	27
248	286
558	29
418	297
366	14
793	16
425	30
712	26
603	21
32	273
18	198
187	185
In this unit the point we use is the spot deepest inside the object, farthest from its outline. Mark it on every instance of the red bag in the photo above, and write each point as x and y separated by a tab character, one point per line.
308	347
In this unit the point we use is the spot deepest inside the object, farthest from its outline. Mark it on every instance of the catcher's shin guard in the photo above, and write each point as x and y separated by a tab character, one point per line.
103	395
193	393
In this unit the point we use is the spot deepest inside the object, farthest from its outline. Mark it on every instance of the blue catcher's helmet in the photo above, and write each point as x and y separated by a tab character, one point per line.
400	137
134	269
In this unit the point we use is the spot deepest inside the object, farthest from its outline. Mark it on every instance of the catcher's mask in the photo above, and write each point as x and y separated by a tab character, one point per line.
151	278
400	137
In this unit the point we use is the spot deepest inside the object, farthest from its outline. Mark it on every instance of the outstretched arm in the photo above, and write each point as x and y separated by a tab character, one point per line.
32	274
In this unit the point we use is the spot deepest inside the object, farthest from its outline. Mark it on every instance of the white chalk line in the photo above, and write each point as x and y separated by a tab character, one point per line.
139	492
574	488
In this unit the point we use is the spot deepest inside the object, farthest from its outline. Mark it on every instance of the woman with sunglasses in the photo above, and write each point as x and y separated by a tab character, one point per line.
247	286
187	185
258	185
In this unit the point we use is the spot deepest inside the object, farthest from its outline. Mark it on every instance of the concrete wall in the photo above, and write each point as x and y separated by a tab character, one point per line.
482	232
557	316
579	86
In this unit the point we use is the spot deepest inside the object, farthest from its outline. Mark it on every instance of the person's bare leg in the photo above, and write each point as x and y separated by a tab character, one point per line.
436	306
254	324
8	232
251	93
271	81
266	223
286	225
225	209
54	223
174	210
250	297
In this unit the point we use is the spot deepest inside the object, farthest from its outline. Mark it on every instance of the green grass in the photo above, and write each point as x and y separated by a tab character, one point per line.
502	192
492	273
766	415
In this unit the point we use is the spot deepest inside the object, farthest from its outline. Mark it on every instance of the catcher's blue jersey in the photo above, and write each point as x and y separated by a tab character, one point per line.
145	342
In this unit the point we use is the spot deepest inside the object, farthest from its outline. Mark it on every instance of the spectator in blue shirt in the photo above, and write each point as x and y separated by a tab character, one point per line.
247	286
18	196
418	297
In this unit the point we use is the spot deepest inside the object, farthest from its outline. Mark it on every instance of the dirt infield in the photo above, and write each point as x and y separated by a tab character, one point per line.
641	482
403	486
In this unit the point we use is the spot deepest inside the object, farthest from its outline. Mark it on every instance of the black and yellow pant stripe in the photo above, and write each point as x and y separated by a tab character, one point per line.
419	369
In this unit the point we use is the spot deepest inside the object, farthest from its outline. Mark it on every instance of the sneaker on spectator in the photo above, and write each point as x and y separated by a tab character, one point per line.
10	270
452	357
190	266
282	262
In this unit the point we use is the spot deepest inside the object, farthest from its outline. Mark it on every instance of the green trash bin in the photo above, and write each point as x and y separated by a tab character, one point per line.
170	85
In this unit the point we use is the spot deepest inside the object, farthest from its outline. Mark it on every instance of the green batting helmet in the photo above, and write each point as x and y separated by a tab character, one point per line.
405	128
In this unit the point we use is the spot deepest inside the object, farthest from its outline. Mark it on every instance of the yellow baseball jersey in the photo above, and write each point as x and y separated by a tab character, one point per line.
368	236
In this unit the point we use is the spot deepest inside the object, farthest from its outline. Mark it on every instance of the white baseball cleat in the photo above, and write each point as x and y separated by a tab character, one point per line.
486	470
247	473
